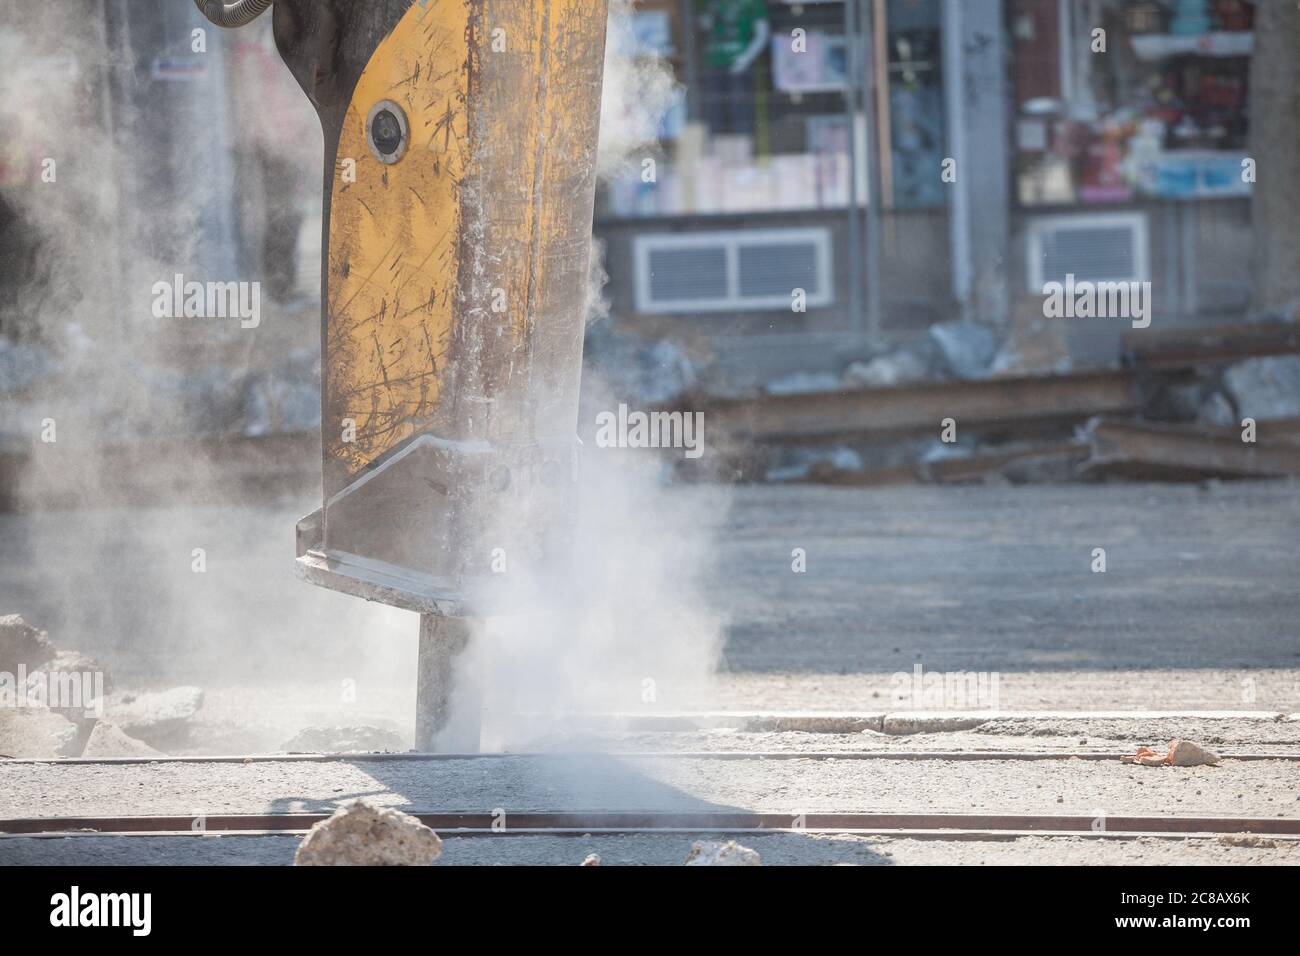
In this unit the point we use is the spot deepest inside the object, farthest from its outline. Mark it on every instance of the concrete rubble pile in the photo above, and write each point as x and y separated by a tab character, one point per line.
62	703
341	740
207	400
1185	407
159	718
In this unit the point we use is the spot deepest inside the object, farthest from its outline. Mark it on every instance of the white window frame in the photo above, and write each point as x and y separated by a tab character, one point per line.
1040	225
731	240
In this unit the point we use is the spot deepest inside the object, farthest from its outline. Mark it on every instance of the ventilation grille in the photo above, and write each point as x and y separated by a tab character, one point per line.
732	271
687	275
1107	248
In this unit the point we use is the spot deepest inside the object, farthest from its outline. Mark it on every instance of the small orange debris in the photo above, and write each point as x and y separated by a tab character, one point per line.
1147	758
1182	753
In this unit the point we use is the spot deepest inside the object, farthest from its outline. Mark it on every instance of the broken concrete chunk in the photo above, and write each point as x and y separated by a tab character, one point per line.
1184	753
1247	840
968	347
359	834
37	733
884	371
1267	387
22	645
798	463
159	718
731	853
592	859
73	684
648	372
108	741
342	740
75	662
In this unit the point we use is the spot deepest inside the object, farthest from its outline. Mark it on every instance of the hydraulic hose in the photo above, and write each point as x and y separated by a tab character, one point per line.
235	14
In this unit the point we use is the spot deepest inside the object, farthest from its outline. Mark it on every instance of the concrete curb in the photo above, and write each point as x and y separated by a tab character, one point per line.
897	722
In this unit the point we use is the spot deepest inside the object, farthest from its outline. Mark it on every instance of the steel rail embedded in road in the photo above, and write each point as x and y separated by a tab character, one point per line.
418	757
581	823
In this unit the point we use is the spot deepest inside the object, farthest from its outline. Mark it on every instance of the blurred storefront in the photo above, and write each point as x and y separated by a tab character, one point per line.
1130	131
1007	147
764	179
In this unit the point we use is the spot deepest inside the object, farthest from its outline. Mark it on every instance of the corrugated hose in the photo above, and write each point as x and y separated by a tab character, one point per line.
233	14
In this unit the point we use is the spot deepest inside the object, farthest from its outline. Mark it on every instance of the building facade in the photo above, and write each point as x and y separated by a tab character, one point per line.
837	176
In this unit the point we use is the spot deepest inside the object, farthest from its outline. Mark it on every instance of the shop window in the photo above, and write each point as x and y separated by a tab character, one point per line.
1160	113
765	123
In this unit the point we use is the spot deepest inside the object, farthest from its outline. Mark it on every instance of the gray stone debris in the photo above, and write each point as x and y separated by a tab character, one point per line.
159	718
640	371
359	834
968	348
799	463
36	733
342	740
1247	840
72	684
900	367
1184	753
731	853
75	662
107	741
1265	388
22	644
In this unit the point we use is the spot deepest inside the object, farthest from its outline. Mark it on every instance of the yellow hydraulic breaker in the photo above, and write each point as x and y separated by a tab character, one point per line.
460	142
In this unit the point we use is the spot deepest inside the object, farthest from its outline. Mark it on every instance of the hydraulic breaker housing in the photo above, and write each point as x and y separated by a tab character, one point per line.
460	147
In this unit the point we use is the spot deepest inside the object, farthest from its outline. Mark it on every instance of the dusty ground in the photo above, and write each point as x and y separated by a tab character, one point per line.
594	782
633	850
1198	608
1198	611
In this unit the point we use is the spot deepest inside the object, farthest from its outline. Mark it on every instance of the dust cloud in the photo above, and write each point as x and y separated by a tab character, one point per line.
640	634
201	589
638	90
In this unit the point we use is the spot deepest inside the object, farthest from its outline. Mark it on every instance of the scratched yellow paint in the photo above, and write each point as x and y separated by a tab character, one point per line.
500	137
393	239
523	225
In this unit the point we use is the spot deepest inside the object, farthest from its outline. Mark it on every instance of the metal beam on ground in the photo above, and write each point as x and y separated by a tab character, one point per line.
911	407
